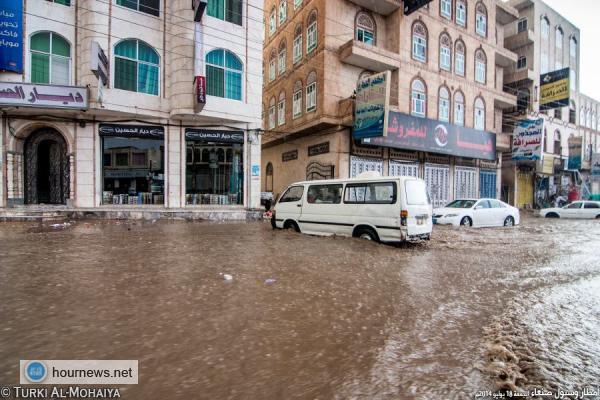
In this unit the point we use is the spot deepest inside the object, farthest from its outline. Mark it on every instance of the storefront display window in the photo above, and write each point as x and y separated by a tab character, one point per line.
133	165
214	167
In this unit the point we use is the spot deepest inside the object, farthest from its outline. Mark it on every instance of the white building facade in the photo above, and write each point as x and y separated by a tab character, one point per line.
132	104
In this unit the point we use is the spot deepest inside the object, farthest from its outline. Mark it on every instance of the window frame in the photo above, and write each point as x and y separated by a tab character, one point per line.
522	25
445	53
522	62
326	185
297	48
312	32
282	12
295	199
225	70
138	62
419	42
159	10
364	29
297	101
50	56
462	55
420	98
461	22
444	13
481	16
373	184
281	111
446	106
480	67
282	59
476	126
311	97
459	95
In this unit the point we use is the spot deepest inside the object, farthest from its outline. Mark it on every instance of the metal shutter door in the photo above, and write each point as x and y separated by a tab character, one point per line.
358	165
398	168
437	179
487	183
465	183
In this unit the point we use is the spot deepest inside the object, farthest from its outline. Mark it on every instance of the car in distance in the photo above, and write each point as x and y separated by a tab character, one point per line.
477	213
382	209
577	209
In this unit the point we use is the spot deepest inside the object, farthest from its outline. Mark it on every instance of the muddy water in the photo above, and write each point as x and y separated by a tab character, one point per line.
306	317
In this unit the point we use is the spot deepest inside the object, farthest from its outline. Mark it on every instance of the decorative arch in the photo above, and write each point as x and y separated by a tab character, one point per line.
481	17
420	40
459	108
445	51
444	102
418	97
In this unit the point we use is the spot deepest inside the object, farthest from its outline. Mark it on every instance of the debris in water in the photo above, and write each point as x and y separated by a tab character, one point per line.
270	281
60	226
227	277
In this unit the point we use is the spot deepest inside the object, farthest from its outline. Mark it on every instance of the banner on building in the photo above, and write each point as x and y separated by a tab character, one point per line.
575	153
216	136
410	6
11	36
138	131
200	90
371	107
555	89
527	140
596	164
422	134
47	96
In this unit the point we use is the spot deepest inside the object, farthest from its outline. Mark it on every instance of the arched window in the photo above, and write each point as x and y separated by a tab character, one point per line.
272	66
557	143
311	92
479	117
444	104
297	100
545	28
365	28
282	57
269	180
419	42
282	11
272	21
50	59
445	52
230	10
459	58
281	109
136	67
311	32
573	113
480	66
272	113
224	74
418	98
461	13
446	8
559	38
297	44
459	109
573	47
481	19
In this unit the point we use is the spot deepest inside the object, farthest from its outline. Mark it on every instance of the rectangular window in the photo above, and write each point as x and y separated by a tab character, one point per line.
460	64
481	24
444	112
215	81
522	25
272	23
370	193
63	2
459	114
418	104
461	14
522	63
365	36
137	177
480	72
544	63
282	57
215	175
297	104
297	48
324	194
311	97
311	37
272	71
151	7
446	8
292	195
125	74
297	3
419	48
445	58
281	113
272	117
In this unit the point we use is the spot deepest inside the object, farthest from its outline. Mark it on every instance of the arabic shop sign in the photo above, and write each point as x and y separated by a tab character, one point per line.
575	152
136	131
422	134
371	106
49	96
317	149
554	89
216	136
596	164
527	140
11	36
289	155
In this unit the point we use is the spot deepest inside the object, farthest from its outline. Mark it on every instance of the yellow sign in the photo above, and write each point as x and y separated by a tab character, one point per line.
546	165
555	91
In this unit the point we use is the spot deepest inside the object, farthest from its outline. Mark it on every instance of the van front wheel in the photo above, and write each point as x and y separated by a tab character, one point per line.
367	234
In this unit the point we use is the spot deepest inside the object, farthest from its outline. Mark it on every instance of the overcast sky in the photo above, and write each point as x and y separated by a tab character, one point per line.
585	15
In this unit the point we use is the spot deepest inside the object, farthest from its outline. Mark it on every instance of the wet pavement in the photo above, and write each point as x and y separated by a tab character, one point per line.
305	317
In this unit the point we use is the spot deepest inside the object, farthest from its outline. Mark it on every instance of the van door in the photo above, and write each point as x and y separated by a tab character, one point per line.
289	206
418	205
322	213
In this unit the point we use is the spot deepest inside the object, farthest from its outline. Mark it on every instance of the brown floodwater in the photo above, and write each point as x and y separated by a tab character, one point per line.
306	317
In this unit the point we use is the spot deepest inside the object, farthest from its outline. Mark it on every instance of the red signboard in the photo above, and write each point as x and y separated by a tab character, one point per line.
201	89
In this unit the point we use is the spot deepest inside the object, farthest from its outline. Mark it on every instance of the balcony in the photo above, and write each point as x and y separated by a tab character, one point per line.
519	40
519	75
504	100
505	14
383	7
368	57
505	58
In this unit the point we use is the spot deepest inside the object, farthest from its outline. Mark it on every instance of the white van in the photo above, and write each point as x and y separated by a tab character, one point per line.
385	209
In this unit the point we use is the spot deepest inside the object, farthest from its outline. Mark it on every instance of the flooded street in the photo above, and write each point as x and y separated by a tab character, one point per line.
306	317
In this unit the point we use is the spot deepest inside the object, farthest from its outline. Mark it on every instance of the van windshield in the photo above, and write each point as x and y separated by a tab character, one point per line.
461	204
416	193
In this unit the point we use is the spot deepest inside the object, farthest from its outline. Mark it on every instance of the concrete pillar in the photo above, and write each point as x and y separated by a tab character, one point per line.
174	181
254	187
180	66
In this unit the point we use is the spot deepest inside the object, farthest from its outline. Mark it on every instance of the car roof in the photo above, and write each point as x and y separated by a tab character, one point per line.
353	180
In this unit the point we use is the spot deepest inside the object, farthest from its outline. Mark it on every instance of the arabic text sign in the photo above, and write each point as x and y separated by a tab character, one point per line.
596	164
575	152
11	36
216	136
127	130
371	109
555	89
527	140
413	133
50	96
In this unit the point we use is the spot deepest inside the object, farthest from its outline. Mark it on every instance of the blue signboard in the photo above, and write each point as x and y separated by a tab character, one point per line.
11	35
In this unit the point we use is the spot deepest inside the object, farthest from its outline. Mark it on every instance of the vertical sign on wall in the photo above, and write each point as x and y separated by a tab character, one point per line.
11	35
201	90
371	106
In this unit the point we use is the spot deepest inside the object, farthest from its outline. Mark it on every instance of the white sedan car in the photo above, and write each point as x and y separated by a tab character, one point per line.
578	209
478	213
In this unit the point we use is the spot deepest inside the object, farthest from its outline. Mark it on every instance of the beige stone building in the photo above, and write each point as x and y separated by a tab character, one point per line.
447	63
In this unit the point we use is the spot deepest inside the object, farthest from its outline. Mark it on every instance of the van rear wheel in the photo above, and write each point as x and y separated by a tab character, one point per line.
366	234
291	225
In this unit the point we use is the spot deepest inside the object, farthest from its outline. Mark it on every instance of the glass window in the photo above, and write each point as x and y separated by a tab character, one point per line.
459	62
544	63
559	38
446	8
419	98
281	111
522	25
481	19
459	109
479	115
151	7
416	193
298	44
591	205
370	193
137	176
282	11
497	204
50	59
573	47
272	67
293	194
545	28
365	28
573	80
136	67
297	100
461	204
574	205
215	175
63	2
297	3
461	13
324	194
272	22
480	66
445	52
224	74
272	114
444	105
522	62
282	58
419	42
311	32
311	92
483	204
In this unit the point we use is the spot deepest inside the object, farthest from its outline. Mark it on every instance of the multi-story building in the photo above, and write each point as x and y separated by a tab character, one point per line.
153	104
446	61
589	128
544	41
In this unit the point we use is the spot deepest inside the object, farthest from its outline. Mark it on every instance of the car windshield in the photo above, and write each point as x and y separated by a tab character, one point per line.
461	204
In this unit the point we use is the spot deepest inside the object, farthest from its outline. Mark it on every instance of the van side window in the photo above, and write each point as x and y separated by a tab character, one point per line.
292	194
324	194
370	193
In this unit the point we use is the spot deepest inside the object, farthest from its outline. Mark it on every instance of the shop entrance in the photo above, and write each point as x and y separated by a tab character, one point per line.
46	168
